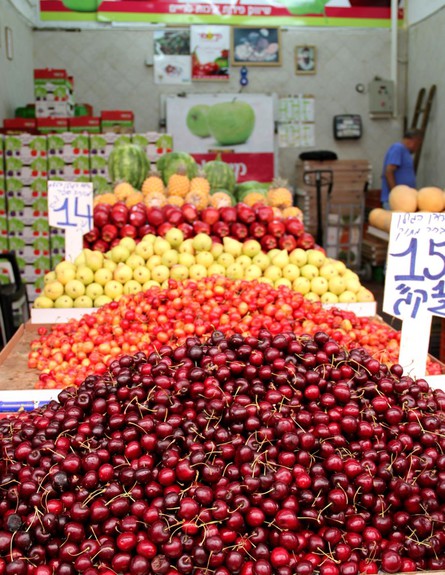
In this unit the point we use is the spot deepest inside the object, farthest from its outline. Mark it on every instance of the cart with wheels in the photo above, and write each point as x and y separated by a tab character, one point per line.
343	231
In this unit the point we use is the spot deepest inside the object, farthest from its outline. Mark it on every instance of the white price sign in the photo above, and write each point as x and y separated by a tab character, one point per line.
70	206
415	282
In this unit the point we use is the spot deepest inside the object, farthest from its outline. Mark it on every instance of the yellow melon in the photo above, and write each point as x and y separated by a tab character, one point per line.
403	199
380	218
430	199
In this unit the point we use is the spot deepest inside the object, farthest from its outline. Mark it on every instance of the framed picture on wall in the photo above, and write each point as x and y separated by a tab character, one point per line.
305	59
255	46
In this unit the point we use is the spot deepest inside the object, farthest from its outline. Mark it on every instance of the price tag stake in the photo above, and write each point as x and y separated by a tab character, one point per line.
70	207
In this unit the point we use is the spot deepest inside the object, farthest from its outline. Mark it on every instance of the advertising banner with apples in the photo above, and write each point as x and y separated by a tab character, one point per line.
361	13
240	127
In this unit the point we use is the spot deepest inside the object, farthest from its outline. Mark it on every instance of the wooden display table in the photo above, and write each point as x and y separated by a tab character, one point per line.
14	371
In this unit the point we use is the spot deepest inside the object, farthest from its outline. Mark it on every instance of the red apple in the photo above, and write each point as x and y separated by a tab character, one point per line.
100	216
306	241
128	231
145	230
190	213
276	228
287	242
294	226
228	214
245	213
163	229
92	235
119	214
239	231
264	213
109	233
186	229
115	242
268	242
101	245
257	230
155	217
221	229
201	227
137	217
210	215
175	217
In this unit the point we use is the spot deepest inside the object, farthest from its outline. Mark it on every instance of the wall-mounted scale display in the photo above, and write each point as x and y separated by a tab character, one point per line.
347	127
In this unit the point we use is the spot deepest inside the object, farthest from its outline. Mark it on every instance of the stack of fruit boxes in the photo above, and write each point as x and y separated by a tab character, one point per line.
26	172
68	160
4	245
53	93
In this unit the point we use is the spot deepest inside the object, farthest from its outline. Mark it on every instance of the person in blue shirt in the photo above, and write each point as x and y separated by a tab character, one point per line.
398	164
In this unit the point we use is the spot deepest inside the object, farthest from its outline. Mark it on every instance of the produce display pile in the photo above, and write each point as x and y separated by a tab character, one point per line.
216	419
67	353
241	222
269	455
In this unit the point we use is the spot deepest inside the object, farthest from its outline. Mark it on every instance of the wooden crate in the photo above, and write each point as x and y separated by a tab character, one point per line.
350	179
374	250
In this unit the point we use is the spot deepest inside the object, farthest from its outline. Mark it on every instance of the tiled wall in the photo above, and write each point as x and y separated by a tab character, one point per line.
109	72
424	41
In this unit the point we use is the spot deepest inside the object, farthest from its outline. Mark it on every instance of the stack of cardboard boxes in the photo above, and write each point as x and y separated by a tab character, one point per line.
26	208
53	93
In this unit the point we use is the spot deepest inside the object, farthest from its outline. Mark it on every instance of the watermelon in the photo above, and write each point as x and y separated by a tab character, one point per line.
128	163
172	162
220	175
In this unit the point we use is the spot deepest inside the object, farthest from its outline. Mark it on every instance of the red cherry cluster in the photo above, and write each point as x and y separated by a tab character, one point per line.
268	455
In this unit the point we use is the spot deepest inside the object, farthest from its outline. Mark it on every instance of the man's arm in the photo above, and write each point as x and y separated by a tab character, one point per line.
390	175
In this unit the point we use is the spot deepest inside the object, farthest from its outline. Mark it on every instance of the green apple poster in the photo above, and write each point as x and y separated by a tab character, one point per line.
239	127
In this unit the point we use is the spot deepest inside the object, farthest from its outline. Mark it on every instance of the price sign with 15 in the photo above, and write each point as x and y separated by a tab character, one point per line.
415	282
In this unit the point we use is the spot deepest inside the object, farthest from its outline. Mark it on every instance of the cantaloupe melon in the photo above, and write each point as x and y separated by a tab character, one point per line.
403	199
380	218
430	199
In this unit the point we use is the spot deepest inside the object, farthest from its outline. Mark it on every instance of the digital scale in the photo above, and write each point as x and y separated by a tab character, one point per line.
347	127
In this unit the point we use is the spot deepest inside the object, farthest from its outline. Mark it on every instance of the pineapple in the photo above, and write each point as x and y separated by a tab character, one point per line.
178	184
155	199
279	196
175	201
134	198
107	198
198	198
153	183
293	212
123	190
200	183
254	198
220	200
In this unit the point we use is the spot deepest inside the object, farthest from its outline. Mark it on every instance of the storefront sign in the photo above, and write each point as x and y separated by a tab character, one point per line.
360	13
